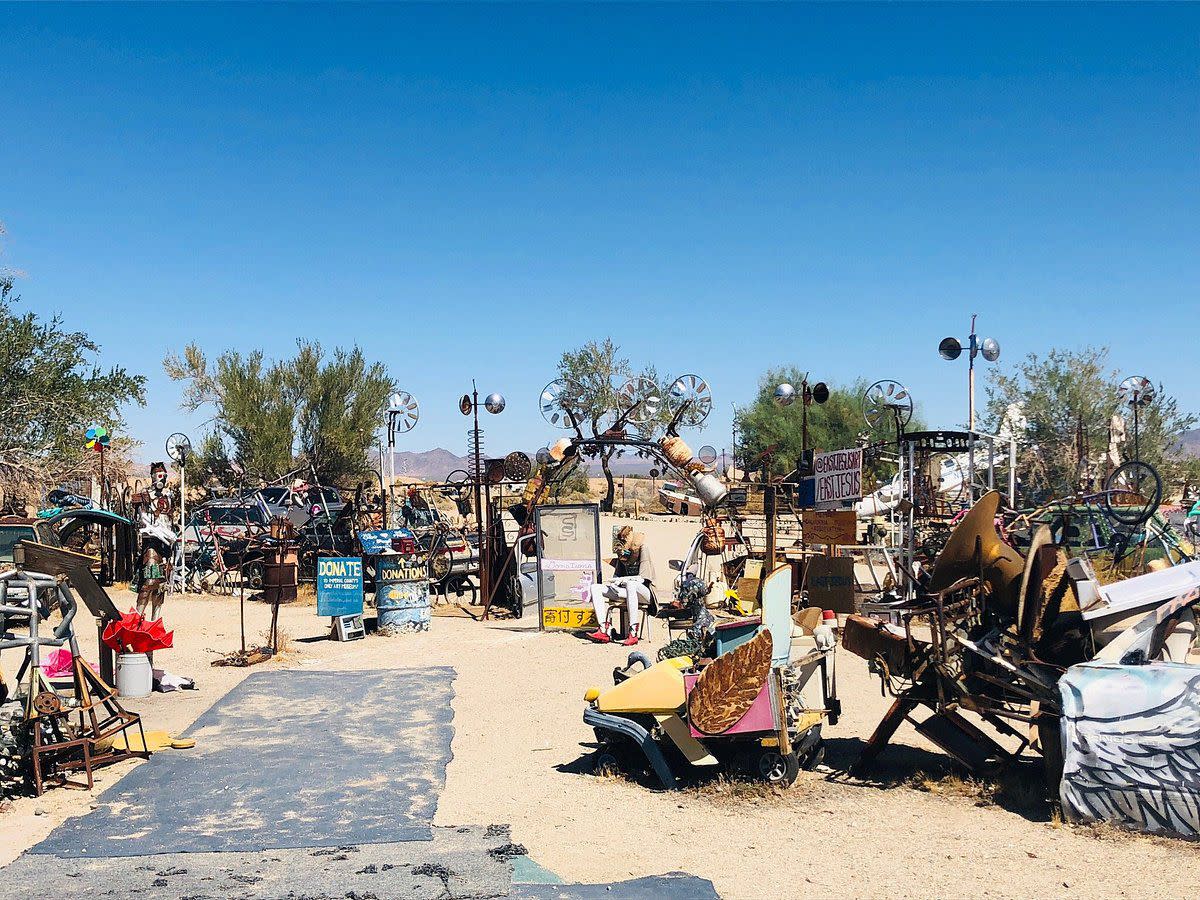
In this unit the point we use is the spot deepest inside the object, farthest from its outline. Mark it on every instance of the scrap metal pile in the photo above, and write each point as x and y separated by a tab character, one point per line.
59	722
1093	675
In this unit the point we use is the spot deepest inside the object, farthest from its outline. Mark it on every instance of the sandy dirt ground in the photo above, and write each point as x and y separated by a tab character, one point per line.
520	749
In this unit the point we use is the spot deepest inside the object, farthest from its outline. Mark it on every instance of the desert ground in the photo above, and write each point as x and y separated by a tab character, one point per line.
520	757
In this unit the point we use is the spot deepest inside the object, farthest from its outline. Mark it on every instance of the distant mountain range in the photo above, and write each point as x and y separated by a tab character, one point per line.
436	464
1191	442
432	465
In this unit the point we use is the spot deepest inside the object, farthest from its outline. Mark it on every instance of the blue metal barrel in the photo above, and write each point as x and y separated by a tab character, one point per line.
402	592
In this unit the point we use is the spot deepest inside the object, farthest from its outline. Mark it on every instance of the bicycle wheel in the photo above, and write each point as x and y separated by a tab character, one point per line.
441	562
252	574
1132	493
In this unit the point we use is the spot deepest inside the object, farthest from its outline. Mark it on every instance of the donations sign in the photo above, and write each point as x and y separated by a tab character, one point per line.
339	586
838	475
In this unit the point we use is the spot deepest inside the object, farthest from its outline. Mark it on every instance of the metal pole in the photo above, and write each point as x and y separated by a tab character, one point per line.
104	501
911	542
971	389
1137	454
971	470
242	569
769	510
183	524
971	381
804	397
476	475
391	457
383	491
1012	473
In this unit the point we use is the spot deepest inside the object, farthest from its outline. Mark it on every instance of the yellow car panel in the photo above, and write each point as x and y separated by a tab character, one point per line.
658	689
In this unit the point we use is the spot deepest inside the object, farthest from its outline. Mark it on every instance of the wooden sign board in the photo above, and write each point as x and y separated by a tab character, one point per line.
831	583
838	475
837	527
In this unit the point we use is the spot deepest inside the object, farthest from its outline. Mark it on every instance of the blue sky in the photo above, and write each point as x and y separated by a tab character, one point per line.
466	191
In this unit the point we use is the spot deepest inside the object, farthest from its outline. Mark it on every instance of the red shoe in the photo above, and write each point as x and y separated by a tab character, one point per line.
632	639
600	637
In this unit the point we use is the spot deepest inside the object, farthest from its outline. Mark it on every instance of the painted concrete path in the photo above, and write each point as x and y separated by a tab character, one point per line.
302	785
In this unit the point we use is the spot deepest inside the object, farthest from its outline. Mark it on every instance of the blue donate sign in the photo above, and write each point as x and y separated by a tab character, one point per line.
339	586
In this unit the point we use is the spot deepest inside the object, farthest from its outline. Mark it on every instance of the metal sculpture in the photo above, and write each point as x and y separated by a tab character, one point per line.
517	466
403	413
179	448
640	400
950	349
690	401
887	400
557	401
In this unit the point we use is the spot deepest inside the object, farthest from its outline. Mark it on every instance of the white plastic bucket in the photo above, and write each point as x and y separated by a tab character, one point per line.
135	677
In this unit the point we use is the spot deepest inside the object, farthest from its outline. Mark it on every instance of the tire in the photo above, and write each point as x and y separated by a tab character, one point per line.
514	588
308	565
1050	737
773	767
606	764
813	757
252	574
441	564
1138	478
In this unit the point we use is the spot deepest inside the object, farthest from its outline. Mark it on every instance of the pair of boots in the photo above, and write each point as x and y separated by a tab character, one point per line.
601	636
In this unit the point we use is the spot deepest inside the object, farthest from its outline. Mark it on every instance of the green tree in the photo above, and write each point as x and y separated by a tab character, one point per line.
599	371
51	391
833	425
210	464
340	403
254	403
1060	408
311	411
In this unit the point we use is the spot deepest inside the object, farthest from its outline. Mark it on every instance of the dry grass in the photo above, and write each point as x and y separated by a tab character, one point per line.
287	647
1109	831
1017	790
978	791
306	594
727	790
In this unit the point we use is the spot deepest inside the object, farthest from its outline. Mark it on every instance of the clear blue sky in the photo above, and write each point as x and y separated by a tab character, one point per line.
466	191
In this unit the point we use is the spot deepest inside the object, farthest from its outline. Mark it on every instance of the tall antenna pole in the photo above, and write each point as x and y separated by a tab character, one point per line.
971	378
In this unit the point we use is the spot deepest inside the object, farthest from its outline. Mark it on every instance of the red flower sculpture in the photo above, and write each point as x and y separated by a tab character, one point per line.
133	634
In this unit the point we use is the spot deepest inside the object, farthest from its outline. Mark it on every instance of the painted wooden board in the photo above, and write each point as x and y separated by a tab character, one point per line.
777	613
571	618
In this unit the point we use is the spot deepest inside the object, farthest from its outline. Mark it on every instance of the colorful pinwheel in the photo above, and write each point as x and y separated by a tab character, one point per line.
97	438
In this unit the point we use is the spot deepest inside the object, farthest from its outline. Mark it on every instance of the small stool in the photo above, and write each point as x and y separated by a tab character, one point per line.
678	625
621	608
